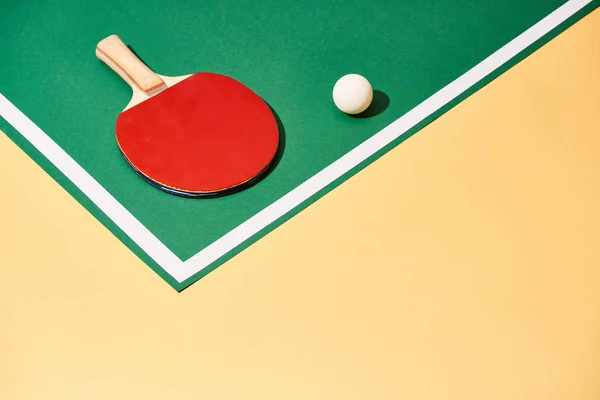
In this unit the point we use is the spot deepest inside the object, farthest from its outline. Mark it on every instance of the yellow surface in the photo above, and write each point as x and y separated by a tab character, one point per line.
462	265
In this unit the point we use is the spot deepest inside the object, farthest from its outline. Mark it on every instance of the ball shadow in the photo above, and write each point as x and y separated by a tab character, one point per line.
379	104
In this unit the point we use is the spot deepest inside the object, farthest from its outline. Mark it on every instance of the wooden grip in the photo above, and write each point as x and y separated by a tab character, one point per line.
114	53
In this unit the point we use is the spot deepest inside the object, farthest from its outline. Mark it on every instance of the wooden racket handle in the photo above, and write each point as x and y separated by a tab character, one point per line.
114	53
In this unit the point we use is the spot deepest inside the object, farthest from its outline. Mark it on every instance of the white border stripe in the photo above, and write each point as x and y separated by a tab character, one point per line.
183	270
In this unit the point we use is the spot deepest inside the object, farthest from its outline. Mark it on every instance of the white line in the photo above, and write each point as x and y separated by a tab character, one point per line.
390	133
183	270
91	188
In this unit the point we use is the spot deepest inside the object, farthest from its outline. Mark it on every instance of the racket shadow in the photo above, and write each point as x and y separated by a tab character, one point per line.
280	147
136	54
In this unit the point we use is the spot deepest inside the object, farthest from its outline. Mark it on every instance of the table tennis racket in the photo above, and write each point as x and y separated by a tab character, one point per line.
197	135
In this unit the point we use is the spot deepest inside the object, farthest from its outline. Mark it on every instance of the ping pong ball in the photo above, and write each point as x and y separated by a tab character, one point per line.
352	94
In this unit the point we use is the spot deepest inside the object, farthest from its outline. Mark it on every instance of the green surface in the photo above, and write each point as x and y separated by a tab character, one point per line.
290	52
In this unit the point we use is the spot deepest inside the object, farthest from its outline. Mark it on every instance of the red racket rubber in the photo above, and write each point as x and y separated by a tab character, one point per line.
203	134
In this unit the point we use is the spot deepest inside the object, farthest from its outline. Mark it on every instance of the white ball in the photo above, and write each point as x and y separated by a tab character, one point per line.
352	94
